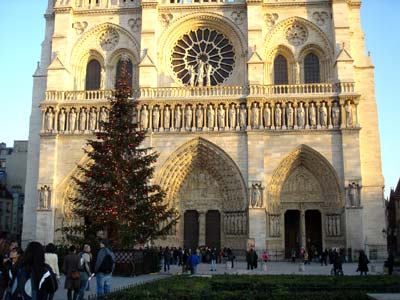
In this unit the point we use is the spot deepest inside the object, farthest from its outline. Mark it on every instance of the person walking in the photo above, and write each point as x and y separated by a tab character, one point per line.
363	263
51	258
105	264
231	257
167	259
11	267
72	275
193	261
84	269
337	263
213	256
293	254
324	256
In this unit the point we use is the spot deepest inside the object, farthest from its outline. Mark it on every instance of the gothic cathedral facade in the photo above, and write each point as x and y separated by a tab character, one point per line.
263	113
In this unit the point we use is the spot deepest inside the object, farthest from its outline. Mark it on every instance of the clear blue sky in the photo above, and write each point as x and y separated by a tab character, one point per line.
22	31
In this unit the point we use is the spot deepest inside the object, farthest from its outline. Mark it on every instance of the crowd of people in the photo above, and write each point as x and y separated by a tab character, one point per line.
33	274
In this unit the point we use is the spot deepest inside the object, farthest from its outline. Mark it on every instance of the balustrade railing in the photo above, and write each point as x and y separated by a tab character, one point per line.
172	93
96	4
183	2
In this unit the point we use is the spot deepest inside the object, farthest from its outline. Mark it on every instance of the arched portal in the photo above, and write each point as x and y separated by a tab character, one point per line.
200	176
305	191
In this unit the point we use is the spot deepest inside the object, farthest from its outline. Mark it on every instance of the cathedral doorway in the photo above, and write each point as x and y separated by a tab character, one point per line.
191	229
313	230
292	232
213	229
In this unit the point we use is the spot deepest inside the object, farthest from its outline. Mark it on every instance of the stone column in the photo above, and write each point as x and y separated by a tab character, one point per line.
204	108
303	228
295	115
202	227
172	118
150	127
216	117
43	118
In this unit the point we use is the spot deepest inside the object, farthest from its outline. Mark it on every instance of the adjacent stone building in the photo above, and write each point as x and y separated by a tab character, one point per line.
263	112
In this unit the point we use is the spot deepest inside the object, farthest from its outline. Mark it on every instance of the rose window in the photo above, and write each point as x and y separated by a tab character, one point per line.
296	35
203	57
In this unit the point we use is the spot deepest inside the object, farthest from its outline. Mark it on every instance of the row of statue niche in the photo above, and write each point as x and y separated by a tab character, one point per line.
282	116
196	76
74	120
183	117
44	197
333	225
274	225
235	223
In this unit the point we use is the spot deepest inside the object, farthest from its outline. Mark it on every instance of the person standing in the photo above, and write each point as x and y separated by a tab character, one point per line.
167	259
51	258
231	257
193	261
324	255
72	274
214	255
105	264
85	272
363	263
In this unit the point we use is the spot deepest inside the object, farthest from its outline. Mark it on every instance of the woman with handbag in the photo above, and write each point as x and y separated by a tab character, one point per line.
72	274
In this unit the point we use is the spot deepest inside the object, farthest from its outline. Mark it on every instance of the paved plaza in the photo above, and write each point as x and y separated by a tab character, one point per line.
240	267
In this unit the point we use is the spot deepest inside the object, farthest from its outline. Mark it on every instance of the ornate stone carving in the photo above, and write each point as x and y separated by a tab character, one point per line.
135	24
221	116
296	34
235	223
335	115
242	116
278	116
289	115
49	120
320	17
312	115
80	27
177	117
144	117
300	115
349	114
210	116
156	118
199	116
353	195
232	116
109	39
256	195
103	117
270	19
238	17
323	115
255	115
82	119
165	19
62	117
267	116
44	197
92	118
332	225
72	120
203	57
188	116
167	117
275	225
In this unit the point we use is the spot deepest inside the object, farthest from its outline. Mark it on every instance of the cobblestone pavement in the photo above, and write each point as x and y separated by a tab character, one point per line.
273	268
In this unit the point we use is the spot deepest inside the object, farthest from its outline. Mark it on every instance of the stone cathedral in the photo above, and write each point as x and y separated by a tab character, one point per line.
263	113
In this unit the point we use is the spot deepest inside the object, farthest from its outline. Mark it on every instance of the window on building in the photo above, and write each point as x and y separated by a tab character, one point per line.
93	75
129	69
311	69
281	70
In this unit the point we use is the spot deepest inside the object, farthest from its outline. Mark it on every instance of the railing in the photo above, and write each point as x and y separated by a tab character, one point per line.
167	93
183	2
96	4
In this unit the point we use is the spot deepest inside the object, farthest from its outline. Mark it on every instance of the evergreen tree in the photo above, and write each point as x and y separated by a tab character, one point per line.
115	194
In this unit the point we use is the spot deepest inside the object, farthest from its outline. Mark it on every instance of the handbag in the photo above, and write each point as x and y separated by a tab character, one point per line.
75	275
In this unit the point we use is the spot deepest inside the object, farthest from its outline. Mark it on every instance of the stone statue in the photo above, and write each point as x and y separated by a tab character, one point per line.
177	117
312	114
323	115
144	117
349	114
256	200
44	197
199	116
192	75
232	116
221	116
353	194
167	117
335	114
289	115
210	116
188	116
254	115
267	116
82	119
278	116
49	119
300	115
242	115
200	73
103	117
72	120
92	119
156	118
61	120
208	74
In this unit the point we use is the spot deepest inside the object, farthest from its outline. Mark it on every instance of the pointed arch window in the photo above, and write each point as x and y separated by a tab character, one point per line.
311	69
281	70
93	75
129	70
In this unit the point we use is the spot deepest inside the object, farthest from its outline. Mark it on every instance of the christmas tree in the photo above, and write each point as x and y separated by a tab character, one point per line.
115	194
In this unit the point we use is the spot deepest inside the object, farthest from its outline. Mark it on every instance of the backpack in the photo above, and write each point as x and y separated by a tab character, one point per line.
107	264
81	264
48	283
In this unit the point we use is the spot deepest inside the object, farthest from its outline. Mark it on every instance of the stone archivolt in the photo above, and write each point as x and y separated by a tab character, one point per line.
200	154
305	176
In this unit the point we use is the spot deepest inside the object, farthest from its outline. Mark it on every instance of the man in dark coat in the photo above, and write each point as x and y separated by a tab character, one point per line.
105	264
363	263
72	274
